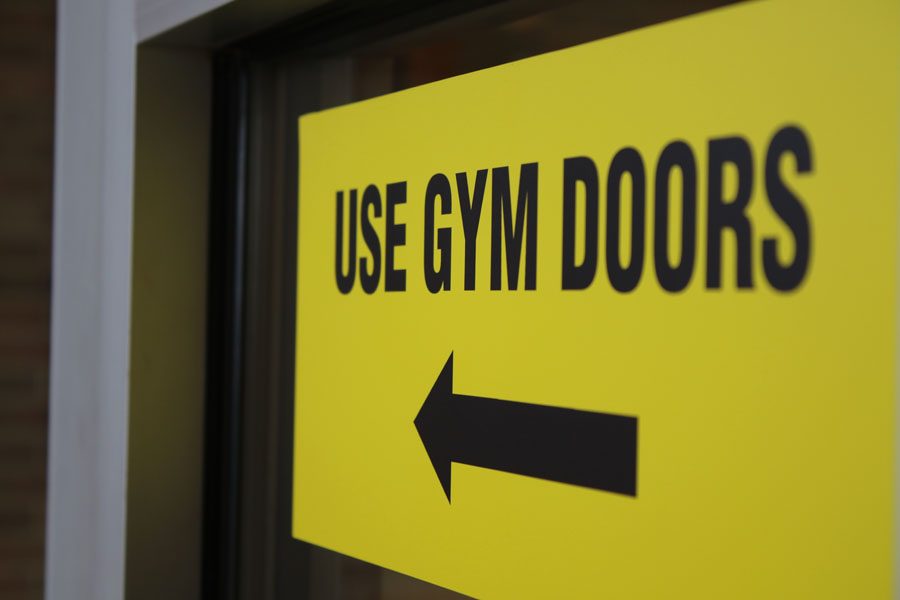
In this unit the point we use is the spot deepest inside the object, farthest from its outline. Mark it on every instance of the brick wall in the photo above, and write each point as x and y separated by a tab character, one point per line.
27	30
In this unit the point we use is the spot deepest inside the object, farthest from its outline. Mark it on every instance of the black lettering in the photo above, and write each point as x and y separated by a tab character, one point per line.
470	211
788	207
394	235
580	168
675	278
437	280
526	212
369	279
729	215
345	280
626	160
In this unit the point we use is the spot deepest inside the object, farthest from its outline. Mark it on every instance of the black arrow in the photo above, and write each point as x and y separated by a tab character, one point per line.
589	449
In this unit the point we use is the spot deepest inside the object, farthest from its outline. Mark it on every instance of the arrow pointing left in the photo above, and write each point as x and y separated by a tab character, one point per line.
585	448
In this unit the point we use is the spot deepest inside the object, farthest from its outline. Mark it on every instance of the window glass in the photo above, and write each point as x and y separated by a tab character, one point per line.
328	58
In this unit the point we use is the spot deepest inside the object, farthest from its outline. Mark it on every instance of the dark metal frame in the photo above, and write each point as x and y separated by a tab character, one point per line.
225	327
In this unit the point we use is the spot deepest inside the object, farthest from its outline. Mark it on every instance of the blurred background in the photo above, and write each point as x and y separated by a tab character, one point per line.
27	32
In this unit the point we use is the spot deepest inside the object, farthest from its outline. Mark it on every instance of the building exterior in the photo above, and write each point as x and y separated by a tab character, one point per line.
182	371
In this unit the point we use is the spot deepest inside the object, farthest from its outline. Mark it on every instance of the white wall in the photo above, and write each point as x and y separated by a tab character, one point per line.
92	253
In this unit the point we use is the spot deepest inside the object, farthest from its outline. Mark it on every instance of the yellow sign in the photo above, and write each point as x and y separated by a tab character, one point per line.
617	321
